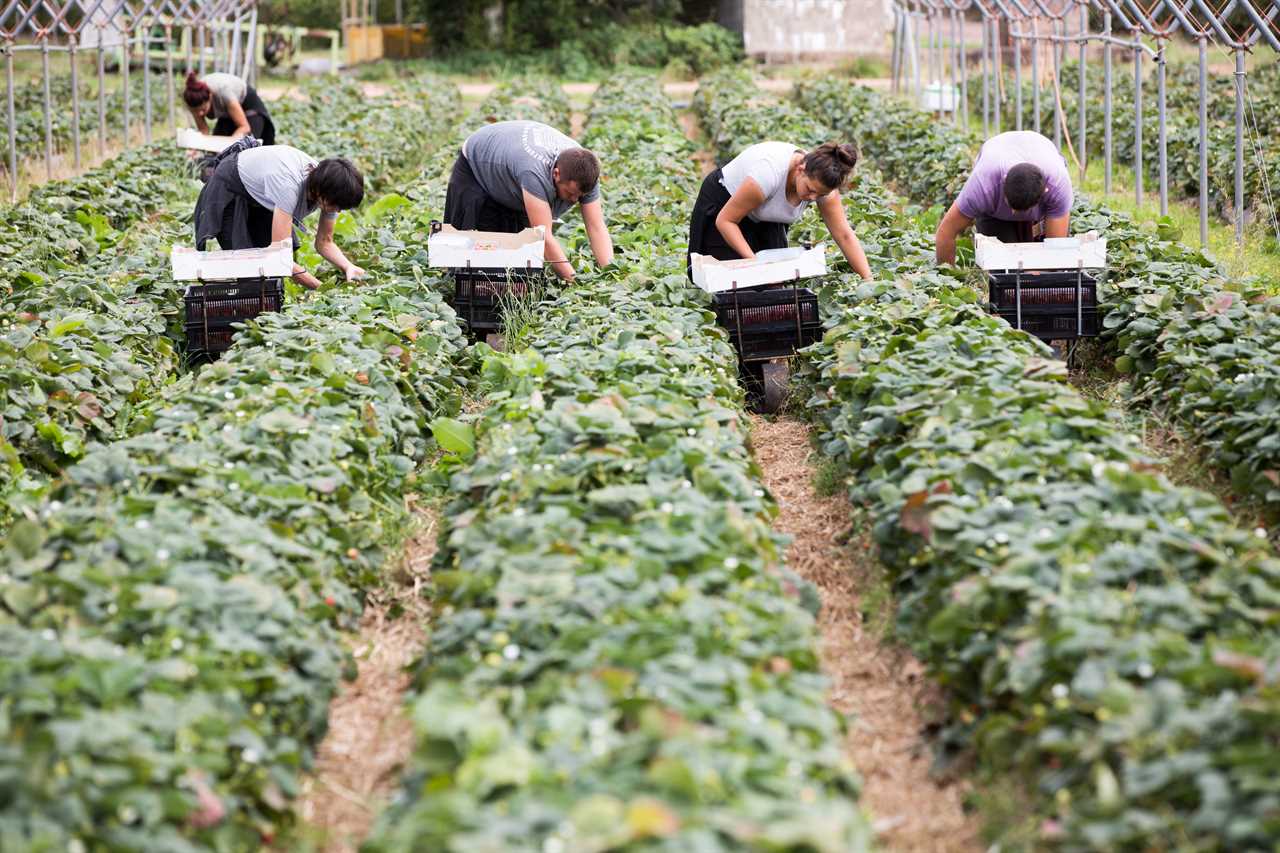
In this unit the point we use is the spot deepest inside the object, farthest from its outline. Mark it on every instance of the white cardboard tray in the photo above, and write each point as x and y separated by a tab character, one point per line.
272	262
1055	253
768	267
188	138
450	247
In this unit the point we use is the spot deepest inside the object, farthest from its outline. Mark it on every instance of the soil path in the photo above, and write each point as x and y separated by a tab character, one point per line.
880	684
706	160
370	736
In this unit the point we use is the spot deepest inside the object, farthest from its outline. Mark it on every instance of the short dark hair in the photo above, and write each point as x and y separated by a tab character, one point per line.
336	181
1024	186
580	166
830	163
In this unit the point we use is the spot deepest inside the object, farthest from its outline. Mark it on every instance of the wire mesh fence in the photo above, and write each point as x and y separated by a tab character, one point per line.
100	72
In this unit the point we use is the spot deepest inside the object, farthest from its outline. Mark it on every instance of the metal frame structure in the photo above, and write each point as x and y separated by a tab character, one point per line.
1047	29
211	35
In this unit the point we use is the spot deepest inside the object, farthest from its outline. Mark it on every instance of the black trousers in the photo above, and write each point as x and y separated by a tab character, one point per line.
468	207
705	238
1009	232
226	211
260	123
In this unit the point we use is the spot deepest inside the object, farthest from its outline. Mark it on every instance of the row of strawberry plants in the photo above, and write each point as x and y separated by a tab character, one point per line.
170	619
90	342
618	661
1097	629
1197	343
1106	632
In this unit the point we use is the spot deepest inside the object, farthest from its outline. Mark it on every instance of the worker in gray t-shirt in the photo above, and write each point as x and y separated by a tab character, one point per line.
513	175
1018	192
257	195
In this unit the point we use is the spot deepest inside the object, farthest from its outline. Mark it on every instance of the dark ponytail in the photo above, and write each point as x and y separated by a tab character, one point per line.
196	92
830	163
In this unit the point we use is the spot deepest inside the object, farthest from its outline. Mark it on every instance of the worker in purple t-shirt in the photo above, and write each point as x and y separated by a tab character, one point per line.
1018	192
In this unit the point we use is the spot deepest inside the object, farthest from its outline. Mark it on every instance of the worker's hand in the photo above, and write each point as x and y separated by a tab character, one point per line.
306	279
354	273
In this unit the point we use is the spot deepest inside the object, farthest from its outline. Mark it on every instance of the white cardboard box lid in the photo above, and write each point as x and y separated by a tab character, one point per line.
771	266
450	247
274	261
188	138
1055	253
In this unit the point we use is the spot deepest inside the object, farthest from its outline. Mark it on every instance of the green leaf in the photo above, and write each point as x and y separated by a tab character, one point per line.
27	537
454	436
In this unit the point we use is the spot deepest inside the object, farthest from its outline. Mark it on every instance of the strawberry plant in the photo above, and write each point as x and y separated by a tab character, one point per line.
615	642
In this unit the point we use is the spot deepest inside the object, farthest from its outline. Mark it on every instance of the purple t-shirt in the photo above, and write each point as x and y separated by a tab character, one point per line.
983	193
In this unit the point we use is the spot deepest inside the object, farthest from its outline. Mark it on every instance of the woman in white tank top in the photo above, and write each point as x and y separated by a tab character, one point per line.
748	205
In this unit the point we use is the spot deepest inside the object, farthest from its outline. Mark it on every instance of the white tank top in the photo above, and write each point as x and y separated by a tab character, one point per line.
767	163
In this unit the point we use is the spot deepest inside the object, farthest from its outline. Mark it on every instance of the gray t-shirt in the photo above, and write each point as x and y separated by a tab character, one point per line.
276	177
767	163
225	87
508	157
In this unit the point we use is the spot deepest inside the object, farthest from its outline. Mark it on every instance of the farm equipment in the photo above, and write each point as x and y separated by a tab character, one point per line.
490	271
1048	289
767	313
231	287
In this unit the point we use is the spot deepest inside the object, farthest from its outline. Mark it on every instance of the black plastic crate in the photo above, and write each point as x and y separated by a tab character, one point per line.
1056	327
1055	304
767	324
479	294
212	308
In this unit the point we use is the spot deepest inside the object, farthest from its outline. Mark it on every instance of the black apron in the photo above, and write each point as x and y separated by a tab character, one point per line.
468	207
705	238
260	124
227	212
1009	232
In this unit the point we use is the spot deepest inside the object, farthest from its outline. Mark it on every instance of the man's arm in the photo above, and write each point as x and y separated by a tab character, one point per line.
833	213
539	213
1058	226
598	232
944	240
748	197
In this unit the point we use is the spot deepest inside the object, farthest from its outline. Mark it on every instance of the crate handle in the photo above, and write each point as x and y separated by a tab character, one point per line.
1080	297
1017	294
795	296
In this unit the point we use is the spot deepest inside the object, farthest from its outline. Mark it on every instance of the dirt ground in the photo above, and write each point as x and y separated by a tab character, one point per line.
879	684
370	735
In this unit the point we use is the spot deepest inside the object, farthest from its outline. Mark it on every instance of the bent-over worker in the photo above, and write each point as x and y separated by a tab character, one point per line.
747	205
513	175
233	104
258	194
1018	192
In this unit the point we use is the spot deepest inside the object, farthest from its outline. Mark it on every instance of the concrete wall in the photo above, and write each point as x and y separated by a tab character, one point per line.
779	30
